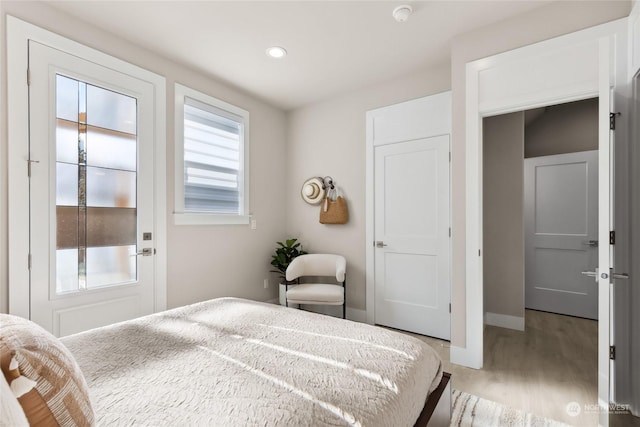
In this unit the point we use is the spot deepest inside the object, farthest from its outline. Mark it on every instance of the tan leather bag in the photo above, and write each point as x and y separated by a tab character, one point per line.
334	211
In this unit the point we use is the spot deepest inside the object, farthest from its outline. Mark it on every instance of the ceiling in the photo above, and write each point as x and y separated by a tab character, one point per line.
333	46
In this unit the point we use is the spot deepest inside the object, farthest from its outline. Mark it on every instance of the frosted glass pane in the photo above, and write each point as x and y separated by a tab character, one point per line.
66	98
66	184
66	270
66	141
66	227
111	226
111	149
111	188
111	265
111	110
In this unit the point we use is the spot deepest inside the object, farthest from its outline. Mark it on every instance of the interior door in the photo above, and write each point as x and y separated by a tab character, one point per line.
561	233
605	225
412	286
91	193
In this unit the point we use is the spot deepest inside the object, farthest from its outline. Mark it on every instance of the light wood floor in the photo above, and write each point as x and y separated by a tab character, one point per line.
541	370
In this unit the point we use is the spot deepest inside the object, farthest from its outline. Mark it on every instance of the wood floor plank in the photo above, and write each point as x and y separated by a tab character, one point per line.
541	370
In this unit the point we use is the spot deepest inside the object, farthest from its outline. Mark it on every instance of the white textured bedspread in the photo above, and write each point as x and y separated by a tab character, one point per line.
233	362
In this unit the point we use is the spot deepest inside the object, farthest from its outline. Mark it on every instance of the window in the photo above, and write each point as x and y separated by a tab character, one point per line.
212	160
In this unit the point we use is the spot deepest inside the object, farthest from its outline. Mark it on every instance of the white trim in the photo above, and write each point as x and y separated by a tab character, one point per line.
160	195
18	34
504	321
187	218
369	224
464	357
473	266
634	36
17	155
182	217
476	109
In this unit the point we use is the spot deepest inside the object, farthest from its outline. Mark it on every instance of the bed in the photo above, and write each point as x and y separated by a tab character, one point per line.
234	362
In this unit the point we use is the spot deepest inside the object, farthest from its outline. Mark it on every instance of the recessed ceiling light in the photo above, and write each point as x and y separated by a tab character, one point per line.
276	52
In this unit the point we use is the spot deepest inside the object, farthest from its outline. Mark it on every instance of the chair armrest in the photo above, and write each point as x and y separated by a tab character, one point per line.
341	268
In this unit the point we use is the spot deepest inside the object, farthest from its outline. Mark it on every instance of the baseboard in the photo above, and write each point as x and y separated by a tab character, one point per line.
357	315
273	301
336	310
462	356
504	321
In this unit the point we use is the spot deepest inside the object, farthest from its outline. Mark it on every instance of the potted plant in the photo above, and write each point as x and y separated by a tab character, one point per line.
285	253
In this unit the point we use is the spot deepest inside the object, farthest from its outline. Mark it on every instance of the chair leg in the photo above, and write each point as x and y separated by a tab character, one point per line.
344	297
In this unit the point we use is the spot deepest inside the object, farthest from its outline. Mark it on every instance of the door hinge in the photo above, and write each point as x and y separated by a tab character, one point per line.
28	76
449	156
449	231
29	261
612	352
612	237
479	252
449	307
612	120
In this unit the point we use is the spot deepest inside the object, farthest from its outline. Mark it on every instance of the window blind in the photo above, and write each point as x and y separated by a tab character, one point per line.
213	141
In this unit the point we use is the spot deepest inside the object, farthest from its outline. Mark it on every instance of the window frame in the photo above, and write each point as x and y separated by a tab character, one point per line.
219	107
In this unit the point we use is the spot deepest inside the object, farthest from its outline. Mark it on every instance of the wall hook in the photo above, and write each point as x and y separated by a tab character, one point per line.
327	182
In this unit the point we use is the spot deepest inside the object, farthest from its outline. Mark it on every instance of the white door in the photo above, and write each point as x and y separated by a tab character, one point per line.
412	288
561	233
605	224
91	193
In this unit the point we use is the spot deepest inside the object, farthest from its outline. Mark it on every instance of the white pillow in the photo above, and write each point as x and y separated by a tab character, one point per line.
11	413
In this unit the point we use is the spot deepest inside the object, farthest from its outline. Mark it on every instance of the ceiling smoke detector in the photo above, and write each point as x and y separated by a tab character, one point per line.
402	13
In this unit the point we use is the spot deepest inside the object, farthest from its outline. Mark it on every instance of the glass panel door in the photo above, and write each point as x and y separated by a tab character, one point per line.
96	192
91	192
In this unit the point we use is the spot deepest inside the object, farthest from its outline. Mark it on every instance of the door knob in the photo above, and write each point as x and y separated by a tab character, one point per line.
144	252
592	243
605	275
593	274
380	244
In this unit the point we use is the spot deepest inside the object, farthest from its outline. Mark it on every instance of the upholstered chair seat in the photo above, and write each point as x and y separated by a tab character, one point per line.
318	265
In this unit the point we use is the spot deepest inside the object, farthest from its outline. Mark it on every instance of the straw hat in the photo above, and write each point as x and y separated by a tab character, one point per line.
312	191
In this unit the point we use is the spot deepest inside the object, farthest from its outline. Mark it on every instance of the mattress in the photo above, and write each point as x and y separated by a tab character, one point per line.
234	362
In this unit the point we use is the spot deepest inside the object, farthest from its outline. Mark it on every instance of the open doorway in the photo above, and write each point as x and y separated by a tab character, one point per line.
549	350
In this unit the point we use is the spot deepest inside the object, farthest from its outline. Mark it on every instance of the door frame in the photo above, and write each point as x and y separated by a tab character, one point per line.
19	33
439	124
564	69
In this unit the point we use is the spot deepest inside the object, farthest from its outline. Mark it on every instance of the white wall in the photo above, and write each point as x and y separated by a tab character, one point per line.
329	139
507	140
564	128
203	261
540	24
503	232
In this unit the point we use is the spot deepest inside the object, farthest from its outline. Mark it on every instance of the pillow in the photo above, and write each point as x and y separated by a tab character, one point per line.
43	375
11	413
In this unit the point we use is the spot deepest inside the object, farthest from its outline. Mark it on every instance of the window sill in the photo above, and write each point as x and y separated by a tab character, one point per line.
184	218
